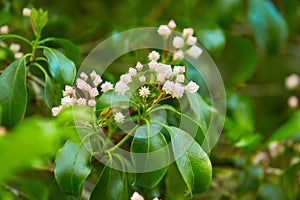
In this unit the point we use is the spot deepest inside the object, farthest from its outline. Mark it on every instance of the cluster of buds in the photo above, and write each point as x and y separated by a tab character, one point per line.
137	196
163	80
184	44
292	82
84	94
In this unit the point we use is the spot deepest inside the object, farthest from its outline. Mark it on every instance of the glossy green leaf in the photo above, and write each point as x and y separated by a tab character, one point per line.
151	150
39	19
269	27
289	128
13	95
53	93
213	40
32	140
71	50
109	186
192	162
174	189
227	11
72	167
62	69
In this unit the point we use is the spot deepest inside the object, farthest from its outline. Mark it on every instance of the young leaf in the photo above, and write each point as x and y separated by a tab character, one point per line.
7	36
13	95
62	69
151	150
72	166
39	19
269	27
192	162
109	186
53	93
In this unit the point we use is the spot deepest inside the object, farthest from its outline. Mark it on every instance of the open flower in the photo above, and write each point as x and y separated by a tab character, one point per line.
144	91
94	92
132	71
56	110
191	40
119	117
106	86
178	55
153	56
121	88
136	196
126	78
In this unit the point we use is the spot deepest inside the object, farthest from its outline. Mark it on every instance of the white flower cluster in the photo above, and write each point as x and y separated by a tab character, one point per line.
90	91
184	44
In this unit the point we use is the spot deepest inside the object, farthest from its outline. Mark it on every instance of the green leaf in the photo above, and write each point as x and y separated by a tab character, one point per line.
53	93
227	11
270	191
192	162
269	27
291	127
151	150
30	141
71	50
213	40
174	189
289	183
13	95
7	36
72	167
239	60
62	69
39	19
109	186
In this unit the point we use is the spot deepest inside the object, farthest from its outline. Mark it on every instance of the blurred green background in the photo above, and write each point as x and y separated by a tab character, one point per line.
255	44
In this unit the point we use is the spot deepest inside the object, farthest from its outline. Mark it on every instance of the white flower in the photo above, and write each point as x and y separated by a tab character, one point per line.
180	78
179	69
19	55
153	56
81	101
194	51
84	76
142	79
160	77
121	88
172	24
126	78
178	55
26	12
96	78
106	86
119	117
192	87
139	66
144	91
132	71
164	30
168	71
152	65
188	32
67	101
293	102
82	85
178	42
177	90
56	110
191	40
91	102
168	87
69	90
136	196
292	81
156	198
15	47
4	29
94	92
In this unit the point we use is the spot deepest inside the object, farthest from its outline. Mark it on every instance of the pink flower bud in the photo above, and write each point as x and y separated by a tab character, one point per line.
188	32
172	24
293	102
4	29
26	12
